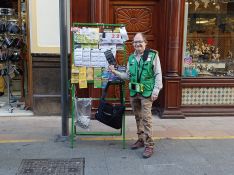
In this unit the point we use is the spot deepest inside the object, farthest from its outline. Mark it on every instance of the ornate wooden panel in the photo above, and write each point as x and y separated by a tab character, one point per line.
138	19
139	16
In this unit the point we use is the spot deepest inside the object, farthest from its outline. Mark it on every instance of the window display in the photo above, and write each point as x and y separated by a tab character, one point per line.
210	39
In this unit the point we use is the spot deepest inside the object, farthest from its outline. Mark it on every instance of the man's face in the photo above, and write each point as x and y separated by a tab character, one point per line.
139	44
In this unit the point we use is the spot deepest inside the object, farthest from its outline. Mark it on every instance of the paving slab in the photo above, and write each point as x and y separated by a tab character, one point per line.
180	148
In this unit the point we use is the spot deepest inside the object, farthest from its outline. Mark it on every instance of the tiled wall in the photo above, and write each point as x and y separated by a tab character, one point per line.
208	96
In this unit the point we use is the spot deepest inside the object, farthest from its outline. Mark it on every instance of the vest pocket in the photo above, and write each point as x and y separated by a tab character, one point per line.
148	85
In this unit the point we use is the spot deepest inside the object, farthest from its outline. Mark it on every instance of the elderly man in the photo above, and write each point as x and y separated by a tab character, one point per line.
144	73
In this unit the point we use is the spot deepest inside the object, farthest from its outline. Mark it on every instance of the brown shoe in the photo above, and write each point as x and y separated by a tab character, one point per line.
148	152
138	144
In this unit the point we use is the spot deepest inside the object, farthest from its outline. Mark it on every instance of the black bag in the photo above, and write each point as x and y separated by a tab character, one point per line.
109	114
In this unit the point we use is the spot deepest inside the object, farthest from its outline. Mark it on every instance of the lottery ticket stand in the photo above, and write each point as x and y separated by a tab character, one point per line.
89	66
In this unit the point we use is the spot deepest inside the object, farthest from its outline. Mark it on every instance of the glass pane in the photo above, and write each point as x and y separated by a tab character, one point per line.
210	39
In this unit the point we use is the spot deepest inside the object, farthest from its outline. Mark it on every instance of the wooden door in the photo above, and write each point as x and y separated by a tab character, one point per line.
138	16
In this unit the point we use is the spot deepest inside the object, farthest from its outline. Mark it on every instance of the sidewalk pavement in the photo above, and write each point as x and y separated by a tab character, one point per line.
183	146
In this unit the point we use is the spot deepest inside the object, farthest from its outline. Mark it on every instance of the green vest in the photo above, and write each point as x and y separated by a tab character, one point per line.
142	73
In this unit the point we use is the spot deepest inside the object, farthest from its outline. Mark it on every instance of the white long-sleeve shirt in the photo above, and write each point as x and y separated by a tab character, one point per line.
157	72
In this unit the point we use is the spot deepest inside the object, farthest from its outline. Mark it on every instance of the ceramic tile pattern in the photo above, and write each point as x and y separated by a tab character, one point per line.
208	96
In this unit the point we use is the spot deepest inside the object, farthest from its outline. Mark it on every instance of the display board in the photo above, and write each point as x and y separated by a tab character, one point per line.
92	43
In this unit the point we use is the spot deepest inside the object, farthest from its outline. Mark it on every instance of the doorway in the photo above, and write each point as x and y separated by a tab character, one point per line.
14	58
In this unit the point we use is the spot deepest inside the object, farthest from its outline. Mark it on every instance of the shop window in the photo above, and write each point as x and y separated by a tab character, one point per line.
209	43
13	55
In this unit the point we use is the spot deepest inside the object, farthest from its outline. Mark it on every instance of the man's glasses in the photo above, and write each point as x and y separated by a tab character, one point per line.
138	42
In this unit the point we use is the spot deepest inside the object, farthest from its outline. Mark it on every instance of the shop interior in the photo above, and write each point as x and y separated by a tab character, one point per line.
13	58
210	39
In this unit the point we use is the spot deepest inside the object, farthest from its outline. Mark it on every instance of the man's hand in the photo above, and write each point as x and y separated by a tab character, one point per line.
154	97
111	68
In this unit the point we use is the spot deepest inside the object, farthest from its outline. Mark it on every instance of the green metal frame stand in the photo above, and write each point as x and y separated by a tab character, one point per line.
73	130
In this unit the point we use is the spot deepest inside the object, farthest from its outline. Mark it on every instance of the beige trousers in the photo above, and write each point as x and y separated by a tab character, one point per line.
142	110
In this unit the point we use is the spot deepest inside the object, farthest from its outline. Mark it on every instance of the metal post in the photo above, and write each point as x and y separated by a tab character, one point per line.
64	65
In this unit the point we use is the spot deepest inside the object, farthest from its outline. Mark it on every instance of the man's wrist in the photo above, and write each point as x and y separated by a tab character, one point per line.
155	92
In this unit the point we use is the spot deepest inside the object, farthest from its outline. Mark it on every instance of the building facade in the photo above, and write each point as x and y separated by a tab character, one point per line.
195	40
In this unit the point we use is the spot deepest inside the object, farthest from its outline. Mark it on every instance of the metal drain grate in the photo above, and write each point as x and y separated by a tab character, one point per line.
52	167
